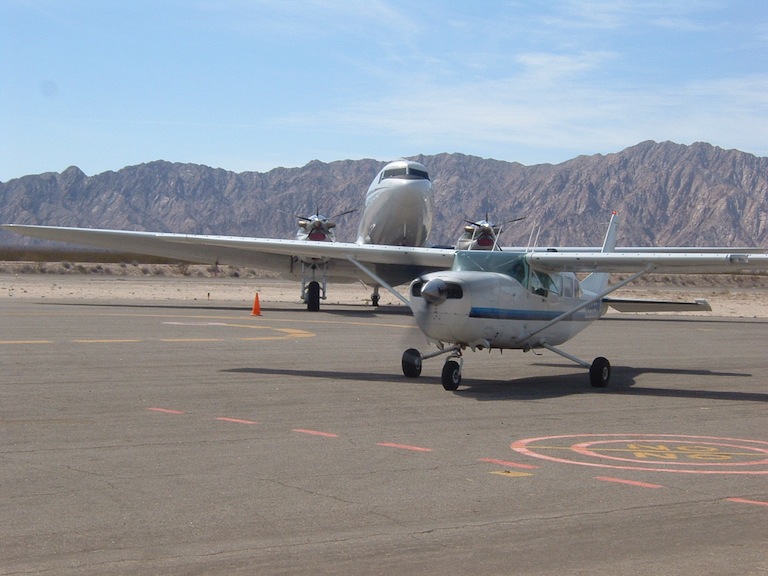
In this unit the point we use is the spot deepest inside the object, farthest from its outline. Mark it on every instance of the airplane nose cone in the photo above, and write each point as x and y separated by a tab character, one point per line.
435	291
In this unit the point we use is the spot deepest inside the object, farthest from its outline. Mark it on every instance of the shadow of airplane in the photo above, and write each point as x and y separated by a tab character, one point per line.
534	387
623	381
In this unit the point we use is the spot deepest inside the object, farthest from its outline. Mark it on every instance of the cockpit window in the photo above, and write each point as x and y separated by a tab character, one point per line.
420	173
394	173
405	172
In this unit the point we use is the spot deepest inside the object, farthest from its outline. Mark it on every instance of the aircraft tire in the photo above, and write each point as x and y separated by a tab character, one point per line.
412	363
600	372
313	297
451	375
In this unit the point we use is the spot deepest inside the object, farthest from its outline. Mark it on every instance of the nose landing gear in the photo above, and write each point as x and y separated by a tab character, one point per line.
451	378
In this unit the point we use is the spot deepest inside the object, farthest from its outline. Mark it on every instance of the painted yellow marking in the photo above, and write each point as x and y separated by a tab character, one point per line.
26	341
190	339
693	454
103	341
511	473
663	452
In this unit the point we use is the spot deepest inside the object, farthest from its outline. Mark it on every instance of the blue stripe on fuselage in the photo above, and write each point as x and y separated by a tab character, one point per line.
589	313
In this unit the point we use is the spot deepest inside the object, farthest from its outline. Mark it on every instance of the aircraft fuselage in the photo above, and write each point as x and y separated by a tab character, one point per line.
482	308
399	206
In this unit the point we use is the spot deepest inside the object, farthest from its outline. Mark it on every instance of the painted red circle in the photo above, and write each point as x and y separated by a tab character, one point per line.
528	448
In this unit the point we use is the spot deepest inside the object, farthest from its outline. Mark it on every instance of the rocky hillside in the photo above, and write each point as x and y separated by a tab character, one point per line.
665	193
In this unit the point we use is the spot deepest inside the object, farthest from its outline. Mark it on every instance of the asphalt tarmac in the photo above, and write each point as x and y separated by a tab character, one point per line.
187	438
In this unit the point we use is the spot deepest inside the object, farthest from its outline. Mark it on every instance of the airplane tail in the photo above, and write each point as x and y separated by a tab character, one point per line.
598	281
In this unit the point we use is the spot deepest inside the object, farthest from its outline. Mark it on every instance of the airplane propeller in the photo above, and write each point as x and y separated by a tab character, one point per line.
483	234
317	226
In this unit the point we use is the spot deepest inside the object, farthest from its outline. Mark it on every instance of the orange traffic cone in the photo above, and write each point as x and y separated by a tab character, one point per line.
256	306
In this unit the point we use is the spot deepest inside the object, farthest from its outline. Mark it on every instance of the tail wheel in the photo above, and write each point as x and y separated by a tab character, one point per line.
412	363
451	375
600	372
313	296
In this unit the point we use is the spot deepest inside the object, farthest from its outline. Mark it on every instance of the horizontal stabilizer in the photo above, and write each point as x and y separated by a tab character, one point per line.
625	305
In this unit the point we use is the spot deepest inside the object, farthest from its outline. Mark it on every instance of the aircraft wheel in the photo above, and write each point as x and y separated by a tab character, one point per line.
600	372
412	363
451	375
313	296
375	299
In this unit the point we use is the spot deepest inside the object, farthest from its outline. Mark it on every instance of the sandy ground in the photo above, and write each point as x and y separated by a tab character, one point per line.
742	297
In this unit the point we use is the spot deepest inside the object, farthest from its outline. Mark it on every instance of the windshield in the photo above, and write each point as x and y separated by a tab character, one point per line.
514	265
409	172
510	263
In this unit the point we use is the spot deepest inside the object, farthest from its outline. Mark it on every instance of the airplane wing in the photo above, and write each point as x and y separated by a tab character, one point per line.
264	253
664	262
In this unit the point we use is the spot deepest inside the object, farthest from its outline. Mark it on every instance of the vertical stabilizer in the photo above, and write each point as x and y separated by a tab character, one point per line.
598	281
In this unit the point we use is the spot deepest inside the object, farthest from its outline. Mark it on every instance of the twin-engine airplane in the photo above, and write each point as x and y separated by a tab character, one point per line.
389	250
532	300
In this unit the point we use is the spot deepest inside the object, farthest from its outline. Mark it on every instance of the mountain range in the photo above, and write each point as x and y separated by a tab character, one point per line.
665	194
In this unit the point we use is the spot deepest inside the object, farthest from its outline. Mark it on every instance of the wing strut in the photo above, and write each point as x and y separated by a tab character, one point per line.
378	280
586	303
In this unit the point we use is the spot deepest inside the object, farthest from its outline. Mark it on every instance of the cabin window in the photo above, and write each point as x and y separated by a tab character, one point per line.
569	288
541	284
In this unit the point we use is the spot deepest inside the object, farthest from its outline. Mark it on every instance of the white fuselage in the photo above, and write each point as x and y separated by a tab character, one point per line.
399	206
499	309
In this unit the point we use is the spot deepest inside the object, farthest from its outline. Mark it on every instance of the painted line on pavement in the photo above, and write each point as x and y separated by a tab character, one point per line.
235	420
403	447
315	433
628	482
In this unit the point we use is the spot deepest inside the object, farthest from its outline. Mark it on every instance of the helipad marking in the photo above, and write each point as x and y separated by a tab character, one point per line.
678	453
704	453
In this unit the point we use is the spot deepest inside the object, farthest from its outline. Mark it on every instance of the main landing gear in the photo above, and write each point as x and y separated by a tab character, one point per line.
599	370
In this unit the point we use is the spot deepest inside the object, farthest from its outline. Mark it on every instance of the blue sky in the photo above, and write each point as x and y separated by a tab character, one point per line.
255	84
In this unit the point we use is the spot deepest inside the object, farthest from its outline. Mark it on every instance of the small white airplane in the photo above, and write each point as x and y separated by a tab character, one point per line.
501	299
